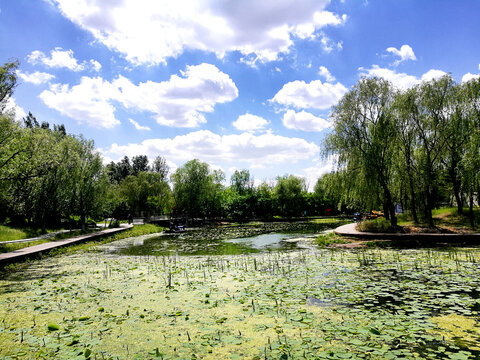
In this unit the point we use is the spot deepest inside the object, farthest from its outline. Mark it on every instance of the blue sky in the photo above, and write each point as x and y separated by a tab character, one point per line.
239	84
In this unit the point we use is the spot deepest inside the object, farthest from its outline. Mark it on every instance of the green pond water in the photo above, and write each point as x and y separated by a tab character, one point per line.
178	244
266	303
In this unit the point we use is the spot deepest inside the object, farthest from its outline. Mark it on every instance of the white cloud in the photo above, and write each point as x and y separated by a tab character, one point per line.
323	71
304	121
400	80
320	20
255	150
36	78
250	123
138	126
87	102
313	173
96	65
264	29
180	101
405	53
433	74
14	109
316	95
60	58
470	76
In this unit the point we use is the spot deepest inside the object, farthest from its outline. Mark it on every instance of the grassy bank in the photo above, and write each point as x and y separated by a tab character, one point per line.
8	233
446	220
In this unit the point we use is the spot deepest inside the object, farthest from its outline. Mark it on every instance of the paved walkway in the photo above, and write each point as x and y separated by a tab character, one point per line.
350	230
21	254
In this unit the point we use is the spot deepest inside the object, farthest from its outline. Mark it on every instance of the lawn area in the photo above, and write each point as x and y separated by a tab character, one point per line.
8	233
135	231
446	219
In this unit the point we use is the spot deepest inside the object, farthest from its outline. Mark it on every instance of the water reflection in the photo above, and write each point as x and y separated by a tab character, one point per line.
174	244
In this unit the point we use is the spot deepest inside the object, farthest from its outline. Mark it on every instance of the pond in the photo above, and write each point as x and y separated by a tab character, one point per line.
304	303
178	244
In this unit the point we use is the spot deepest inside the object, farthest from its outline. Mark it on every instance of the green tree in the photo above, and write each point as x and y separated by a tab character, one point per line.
160	166
196	189
8	82
432	117
364	137
139	164
289	195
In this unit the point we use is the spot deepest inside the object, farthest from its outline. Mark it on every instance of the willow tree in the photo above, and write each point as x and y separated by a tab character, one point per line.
470	163
364	136
433	109
404	111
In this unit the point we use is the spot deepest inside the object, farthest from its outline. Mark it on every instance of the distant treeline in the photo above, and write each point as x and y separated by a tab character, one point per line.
419	147
49	178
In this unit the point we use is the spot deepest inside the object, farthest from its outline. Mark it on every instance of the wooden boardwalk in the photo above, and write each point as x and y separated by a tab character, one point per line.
32	251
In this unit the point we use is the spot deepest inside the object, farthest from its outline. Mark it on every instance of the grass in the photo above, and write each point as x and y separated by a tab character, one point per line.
380	225
8	233
135	231
325	240
446	218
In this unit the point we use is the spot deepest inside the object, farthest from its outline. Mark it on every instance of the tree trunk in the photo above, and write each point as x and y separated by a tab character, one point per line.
390	206
82	212
413	205
456	192
470	210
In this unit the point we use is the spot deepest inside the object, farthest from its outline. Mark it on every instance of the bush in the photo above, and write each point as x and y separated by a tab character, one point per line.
380	225
325	240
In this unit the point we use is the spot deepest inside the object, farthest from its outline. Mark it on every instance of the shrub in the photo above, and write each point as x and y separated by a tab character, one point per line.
380	225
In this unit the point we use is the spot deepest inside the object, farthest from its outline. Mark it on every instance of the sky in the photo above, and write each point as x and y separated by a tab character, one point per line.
239	84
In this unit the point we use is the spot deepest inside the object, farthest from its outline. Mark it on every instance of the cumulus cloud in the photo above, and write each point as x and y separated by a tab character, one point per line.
470	76
316	95
36	78
255	150
400	80
250	123
87	102
264	29
320	20
60	58
304	121
14	109
181	101
323	71
433	74
138	126
405	53
319	168
96	65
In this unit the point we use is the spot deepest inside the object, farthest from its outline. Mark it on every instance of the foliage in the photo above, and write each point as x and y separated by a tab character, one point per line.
8	81
197	190
326	240
417	147
379	225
